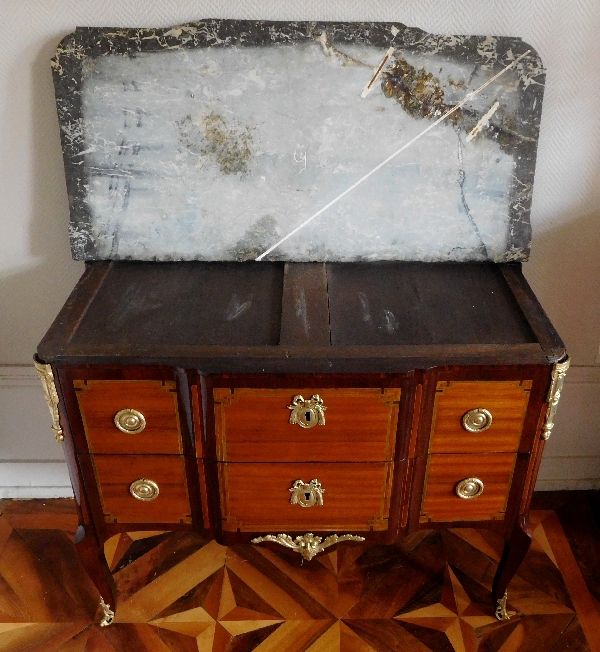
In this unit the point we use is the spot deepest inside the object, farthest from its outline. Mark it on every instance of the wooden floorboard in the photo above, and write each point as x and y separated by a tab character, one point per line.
179	592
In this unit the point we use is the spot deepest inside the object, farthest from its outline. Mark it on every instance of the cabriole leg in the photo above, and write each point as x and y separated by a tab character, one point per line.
91	553
513	554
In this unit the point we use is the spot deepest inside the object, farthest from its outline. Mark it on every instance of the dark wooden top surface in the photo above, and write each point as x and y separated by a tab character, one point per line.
302	317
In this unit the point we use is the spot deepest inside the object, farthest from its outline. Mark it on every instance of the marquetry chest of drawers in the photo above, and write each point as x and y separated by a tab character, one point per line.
302	404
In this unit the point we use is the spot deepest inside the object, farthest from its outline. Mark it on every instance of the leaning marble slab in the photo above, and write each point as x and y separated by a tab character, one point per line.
214	140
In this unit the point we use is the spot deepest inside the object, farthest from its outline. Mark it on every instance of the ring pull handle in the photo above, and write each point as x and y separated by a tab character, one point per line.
130	421
477	420
469	488
144	490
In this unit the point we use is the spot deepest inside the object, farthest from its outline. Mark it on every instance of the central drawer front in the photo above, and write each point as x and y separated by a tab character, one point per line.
257	497
253	425
146	410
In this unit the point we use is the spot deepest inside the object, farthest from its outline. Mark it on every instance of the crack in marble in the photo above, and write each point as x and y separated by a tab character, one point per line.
482	249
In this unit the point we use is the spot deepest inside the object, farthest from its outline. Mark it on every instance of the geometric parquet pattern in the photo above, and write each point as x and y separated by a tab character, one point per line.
181	593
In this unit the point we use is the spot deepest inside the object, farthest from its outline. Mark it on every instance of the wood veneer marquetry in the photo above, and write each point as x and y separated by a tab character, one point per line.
115	473
252	425
587	608
179	592
444	472
100	400
506	401
256	497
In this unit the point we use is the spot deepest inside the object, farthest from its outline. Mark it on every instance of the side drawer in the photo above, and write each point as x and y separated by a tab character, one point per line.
478	416
253	425
146	411
491	473
258	497
159	482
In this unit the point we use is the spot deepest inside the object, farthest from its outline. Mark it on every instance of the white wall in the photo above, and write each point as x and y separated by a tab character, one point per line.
37	274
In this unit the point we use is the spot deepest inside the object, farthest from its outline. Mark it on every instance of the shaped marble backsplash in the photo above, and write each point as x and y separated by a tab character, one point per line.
214	140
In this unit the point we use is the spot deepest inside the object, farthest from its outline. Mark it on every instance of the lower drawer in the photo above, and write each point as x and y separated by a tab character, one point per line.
141	488
337	496
466	487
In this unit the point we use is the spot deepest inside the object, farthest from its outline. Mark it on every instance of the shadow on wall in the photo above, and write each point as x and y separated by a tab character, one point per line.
30	299
564	272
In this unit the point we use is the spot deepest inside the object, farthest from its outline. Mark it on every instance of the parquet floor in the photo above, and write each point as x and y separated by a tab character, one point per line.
181	593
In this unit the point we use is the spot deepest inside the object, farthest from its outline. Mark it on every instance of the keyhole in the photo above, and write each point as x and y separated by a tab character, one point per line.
307	496
307	415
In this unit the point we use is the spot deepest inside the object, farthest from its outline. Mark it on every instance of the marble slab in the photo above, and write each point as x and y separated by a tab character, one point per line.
215	140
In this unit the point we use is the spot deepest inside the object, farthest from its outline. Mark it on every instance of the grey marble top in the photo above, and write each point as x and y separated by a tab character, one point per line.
215	140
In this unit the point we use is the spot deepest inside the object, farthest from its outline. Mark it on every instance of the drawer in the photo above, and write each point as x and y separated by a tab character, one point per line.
258	497
145	409
490	472
162	492
253	425
478	416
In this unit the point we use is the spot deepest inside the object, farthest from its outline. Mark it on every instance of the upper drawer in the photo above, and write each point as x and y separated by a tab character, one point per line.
255	424
145	411
478	416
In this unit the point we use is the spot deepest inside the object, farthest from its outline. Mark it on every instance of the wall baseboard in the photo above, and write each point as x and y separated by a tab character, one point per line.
34	480
31	464
567	485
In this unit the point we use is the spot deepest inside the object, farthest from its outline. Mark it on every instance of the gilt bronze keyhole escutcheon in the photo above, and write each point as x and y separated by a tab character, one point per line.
307	494
307	413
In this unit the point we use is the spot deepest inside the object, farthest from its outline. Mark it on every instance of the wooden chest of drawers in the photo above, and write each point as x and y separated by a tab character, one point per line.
295	404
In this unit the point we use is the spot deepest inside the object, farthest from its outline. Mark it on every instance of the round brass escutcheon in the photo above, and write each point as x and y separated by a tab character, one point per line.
130	421
477	420
308	417
144	489
469	488
307	499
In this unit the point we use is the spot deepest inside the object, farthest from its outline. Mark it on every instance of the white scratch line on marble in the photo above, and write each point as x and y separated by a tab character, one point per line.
392	156
369	87
483	122
302	159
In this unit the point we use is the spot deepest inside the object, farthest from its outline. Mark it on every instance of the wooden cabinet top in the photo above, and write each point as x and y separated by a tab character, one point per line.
302	317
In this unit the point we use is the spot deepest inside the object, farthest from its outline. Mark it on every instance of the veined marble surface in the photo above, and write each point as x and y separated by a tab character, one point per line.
213	141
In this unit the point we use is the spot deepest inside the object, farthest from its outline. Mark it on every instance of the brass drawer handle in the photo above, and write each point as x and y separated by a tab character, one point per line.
307	413
477	420
130	421
307	494
144	489
469	488
308	545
